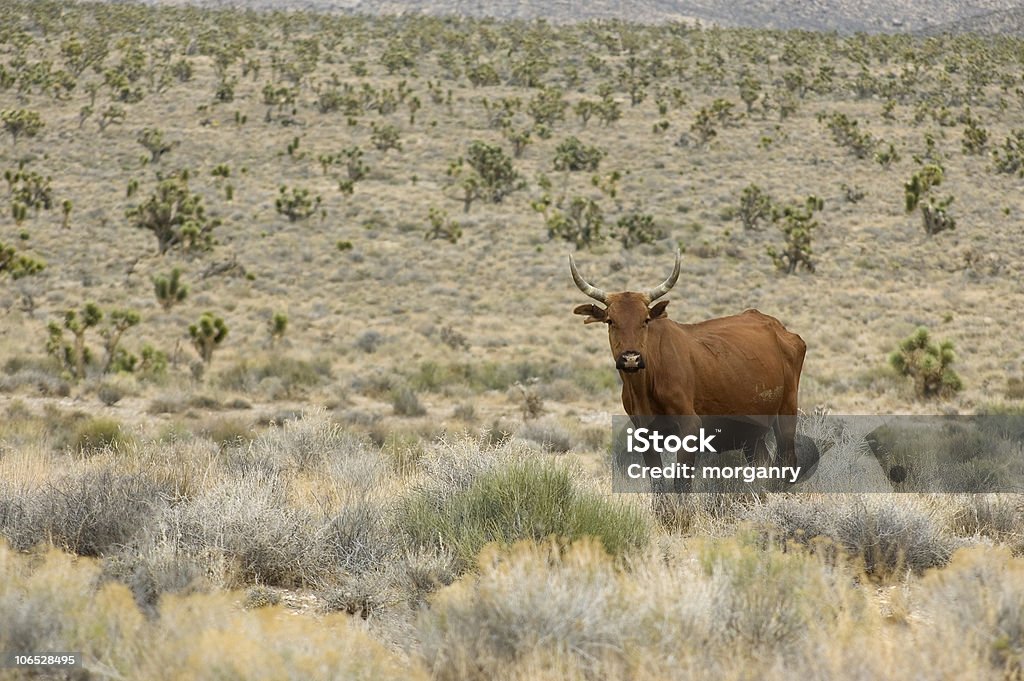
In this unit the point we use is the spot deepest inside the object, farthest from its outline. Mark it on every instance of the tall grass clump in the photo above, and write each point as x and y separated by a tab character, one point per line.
96	434
527	499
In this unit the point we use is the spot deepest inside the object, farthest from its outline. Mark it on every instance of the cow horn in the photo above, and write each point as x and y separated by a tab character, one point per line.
666	285
592	291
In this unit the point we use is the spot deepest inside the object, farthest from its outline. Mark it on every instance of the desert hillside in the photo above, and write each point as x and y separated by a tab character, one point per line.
845	16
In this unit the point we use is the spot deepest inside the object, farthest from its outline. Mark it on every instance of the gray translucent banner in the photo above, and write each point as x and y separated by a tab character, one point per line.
829	454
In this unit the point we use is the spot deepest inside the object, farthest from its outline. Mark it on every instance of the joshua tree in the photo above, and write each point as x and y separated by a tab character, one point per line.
175	216
277	326
928	364
20	123
17	265
207	334
169	289
797	225
934	212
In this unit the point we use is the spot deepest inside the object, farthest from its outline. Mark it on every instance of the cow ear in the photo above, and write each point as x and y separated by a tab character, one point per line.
658	311
593	313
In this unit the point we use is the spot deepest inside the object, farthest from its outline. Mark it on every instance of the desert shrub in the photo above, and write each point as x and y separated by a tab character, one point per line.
636	228
528	499
984	588
96	434
581	223
986	515
154	566
358	534
847	133
369	341
17	264
303	444
227	431
573	155
761	604
292	375
249	520
883	537
929	365
554	612
572	604
44	382
405	402
442	227
96	511
21	123
296	205
59	603
1009	158
549	434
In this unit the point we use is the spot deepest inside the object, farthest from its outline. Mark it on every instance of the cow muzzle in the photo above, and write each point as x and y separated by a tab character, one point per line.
630	361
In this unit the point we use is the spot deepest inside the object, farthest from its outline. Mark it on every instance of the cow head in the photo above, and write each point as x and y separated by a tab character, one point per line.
626	314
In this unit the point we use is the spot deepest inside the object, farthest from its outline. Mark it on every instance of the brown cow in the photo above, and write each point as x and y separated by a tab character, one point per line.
746	365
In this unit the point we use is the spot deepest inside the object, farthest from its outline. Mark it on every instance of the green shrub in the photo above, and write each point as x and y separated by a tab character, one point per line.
484	173
16	264
291	374
797	225
96	434
529	499
572	155
296	205
928	364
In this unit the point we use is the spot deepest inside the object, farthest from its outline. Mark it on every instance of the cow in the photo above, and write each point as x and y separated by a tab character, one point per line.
745	366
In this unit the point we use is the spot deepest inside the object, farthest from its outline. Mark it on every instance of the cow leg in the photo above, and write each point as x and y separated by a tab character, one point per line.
687	425
653	460
755	451
784	427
